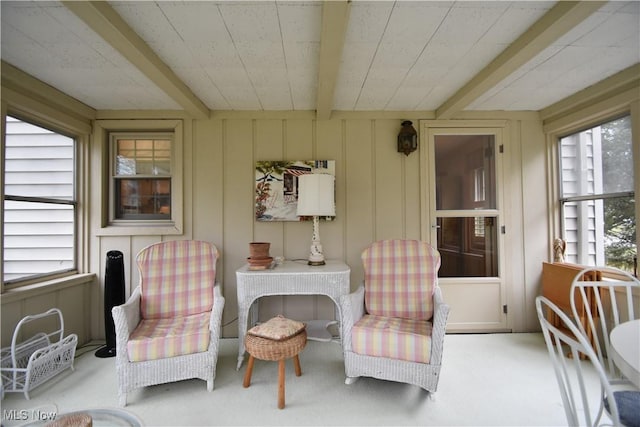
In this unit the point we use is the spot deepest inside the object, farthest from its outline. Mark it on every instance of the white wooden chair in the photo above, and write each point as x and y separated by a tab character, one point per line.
604	304
573	374
400	303
170	327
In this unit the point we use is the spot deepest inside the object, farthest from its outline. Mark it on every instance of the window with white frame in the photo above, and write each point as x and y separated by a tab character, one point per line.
40	205
142	172
597	195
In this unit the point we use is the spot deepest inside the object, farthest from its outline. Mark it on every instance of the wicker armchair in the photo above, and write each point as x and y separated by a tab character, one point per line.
169	329
394	324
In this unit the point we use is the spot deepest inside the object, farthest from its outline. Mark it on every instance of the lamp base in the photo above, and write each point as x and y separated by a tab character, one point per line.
316	257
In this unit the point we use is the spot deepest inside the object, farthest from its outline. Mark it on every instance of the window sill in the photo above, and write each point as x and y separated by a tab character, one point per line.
45	287
139	230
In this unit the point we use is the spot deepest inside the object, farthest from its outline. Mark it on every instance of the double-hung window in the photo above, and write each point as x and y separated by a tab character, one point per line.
142	176
142	173
40	205
597	195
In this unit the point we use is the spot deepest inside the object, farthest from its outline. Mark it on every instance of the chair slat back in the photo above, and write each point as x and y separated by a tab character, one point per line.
177	278
601	306
573	373
400	278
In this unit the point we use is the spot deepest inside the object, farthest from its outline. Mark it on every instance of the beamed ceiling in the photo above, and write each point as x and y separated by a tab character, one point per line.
444	57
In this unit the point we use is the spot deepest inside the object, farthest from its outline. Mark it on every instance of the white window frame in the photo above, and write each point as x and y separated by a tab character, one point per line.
103	130
583	244
114	137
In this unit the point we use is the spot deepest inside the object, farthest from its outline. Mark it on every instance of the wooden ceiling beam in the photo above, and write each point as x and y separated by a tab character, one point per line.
335	18
106	22
554	24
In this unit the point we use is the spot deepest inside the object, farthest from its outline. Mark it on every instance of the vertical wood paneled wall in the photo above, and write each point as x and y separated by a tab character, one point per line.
72	298
377	197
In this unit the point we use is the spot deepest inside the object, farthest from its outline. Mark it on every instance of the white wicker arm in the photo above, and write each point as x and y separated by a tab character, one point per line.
352	307
125	318
440	315
216	316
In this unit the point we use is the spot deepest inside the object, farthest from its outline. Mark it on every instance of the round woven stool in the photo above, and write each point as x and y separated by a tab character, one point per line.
276	350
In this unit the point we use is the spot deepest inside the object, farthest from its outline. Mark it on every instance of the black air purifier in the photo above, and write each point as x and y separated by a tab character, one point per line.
113	295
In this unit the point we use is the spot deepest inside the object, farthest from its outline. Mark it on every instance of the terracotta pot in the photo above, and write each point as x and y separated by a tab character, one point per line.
259	250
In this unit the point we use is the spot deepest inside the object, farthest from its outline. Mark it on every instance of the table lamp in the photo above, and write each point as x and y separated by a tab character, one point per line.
316	198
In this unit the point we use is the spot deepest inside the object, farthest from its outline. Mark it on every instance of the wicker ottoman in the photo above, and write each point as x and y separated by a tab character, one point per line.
276	350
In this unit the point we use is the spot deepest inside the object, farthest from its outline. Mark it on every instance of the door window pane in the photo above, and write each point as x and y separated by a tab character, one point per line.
468	246
465	172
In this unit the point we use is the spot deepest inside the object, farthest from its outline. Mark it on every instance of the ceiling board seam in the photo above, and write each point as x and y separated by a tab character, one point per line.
209	77
170	23
244	66
457	64
425	97
373	58
284	55
195	56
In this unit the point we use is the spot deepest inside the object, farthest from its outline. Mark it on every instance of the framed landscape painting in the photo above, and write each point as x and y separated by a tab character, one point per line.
276	190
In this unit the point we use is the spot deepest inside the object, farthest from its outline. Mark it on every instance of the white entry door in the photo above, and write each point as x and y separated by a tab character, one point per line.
465	222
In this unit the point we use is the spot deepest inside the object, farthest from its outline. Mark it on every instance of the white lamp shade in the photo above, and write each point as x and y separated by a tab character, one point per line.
316	195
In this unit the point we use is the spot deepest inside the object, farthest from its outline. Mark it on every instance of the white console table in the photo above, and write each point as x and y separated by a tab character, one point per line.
288	278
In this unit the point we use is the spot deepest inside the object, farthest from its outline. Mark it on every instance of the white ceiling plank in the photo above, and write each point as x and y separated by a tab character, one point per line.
11	76
103	19
396	55
55	46
405	98
196	21
610	35
335	17
623	79
467	22
259	22
199	80
302	55
300	22
263	54
553	25
367	21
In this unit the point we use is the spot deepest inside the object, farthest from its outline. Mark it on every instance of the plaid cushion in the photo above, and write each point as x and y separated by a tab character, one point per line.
177	278
162	338
394	338
400	278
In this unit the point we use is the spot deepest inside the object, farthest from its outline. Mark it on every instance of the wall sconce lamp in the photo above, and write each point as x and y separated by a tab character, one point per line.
407	138
316	197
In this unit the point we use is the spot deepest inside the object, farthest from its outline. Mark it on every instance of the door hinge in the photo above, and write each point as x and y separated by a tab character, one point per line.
504	309
503	229
501	148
